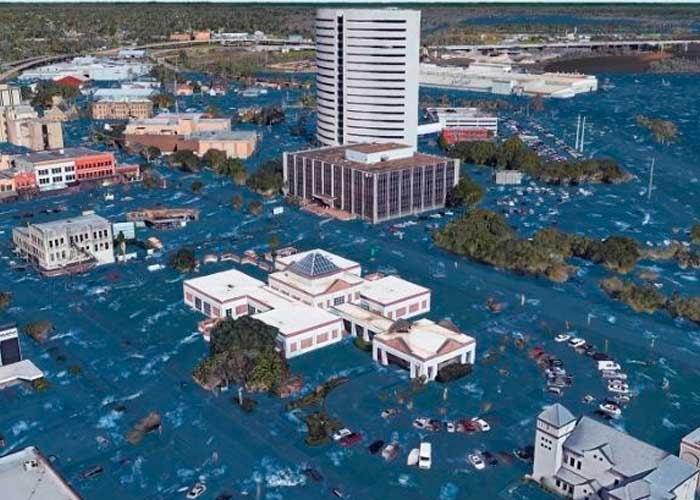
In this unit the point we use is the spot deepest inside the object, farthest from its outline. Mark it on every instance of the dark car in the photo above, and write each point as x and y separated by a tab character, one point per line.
489	458
601	356
350	440
376	446
526	453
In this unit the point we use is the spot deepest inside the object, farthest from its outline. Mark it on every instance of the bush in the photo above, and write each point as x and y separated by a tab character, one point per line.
452	372
185	160
255	207
268	178
183	260
197	186
465	193
5	299
362	344
39	329
214	158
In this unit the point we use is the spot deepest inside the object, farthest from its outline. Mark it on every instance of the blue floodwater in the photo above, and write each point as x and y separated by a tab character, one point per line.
136	342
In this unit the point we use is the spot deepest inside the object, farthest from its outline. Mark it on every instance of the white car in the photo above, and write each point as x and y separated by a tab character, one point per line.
451	427
577	342
197	491
562	337
483	424
476	461
421	423
341	433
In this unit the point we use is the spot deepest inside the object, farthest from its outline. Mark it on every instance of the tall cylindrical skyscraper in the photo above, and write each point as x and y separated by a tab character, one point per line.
367	75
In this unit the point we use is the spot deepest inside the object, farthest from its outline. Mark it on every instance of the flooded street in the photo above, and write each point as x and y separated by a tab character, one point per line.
136	343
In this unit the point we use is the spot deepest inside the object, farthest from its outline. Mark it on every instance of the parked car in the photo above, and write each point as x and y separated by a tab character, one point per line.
482	424
577	342
476	461
341	433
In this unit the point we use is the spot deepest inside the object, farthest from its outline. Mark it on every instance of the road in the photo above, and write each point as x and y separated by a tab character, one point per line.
652	43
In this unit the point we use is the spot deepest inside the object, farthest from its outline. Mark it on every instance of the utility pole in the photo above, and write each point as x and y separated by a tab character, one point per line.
651	179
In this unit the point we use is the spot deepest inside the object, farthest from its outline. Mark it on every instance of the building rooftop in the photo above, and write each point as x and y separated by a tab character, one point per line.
390	289
556	415
81	220
692	438
629	456
21	371
314	265
28	474
59	154
341	262
226	135
226	285
297	318
371	320
337	156
424	339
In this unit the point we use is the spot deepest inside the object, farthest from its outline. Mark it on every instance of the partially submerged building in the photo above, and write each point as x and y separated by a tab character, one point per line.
423	347
315	297
67	245
14	369
376	182
581	458
27	473
21	125
196	132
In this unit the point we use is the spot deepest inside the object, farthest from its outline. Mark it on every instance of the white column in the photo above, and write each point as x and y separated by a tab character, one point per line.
385	359
413	370
463	358
375	353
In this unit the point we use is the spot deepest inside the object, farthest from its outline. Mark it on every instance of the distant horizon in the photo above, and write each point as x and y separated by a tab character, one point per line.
373	2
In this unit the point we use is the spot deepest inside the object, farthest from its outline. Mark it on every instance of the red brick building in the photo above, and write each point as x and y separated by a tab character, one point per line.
95	166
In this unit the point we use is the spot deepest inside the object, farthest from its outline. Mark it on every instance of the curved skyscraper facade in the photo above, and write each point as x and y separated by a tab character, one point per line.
367	75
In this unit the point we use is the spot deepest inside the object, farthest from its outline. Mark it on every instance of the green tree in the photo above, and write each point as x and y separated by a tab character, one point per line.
197	186
214	159
185	160
5	299
150	152
467	192
183	260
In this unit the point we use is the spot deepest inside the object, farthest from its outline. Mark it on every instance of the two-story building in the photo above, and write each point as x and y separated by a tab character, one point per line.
583	459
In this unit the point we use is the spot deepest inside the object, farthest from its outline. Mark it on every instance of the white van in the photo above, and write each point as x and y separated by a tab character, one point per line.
425	456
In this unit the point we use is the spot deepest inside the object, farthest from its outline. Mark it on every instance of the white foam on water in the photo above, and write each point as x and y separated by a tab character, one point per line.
109	421
449	491
405	480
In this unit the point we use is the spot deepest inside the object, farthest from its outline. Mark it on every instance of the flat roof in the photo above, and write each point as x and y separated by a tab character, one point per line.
226	135
391	289
60	154
28	474
425	339
297	318
368	319
22	371
225	285
336	156
71	221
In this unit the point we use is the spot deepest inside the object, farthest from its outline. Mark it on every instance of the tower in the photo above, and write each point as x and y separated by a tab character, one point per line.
367	75
554	425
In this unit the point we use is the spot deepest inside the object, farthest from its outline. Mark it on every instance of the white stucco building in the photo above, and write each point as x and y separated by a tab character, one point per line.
367	75
423	347
587	460
690	450
60	246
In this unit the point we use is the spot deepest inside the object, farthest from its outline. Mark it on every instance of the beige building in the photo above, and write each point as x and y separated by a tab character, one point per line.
21	125
177	124
122	109
236	144
60	246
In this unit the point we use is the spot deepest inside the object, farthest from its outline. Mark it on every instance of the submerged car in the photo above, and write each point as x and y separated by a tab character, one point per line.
341	433
476	461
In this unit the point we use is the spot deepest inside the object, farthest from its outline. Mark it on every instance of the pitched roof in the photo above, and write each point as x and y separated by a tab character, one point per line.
557	415
629	456
314	265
